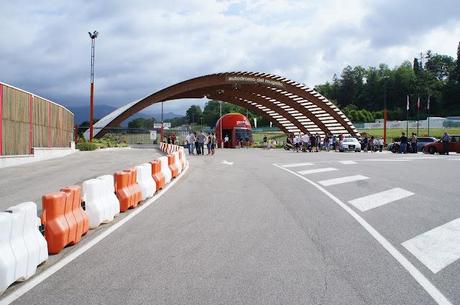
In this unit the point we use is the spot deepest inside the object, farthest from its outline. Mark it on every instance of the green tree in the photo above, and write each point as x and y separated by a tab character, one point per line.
141	123
193	114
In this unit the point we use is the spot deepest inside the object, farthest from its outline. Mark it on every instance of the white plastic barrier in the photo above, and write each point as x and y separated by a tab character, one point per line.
145	180
182	157
109	193
21	238
7	259
99	206
165	169
177	161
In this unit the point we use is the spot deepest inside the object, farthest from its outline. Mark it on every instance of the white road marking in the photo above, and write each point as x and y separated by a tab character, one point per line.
227	162
378	199
385	160
297	164
317	170
37	279
347	162
438	247
425	283
341	180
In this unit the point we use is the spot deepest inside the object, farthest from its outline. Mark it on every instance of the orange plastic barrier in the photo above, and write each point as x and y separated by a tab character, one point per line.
162	146
74	200
122	190
172	166
64	219
134	187
128	191
157	175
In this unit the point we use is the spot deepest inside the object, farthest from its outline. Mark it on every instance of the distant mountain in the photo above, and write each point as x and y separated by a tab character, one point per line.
82	114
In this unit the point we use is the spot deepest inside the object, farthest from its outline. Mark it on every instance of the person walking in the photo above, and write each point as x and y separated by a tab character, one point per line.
413	143
197	144
187	142
201	140
403	143
365	143
208	143
372	144
213	143
326	142
192	142
265	142
318	142
380	144
445	143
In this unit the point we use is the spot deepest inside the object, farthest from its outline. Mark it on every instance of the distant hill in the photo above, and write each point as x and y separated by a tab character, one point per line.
82	114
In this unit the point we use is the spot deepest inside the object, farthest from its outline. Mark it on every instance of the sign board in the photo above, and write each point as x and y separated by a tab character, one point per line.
153	134
166	125
255	80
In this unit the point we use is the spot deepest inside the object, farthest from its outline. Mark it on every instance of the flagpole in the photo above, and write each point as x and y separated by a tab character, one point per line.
428	119
418	109
407	117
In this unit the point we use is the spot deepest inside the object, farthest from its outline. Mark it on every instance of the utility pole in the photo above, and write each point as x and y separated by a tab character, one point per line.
161	130
428	118
407	116
418	110
93	37
385	112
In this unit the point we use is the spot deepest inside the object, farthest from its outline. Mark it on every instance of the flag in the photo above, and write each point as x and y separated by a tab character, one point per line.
428	103
418	103
407	107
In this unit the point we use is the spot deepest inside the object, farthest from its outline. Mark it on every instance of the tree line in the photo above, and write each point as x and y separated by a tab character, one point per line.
361	92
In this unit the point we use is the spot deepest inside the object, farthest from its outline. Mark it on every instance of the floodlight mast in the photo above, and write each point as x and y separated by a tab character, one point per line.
93	37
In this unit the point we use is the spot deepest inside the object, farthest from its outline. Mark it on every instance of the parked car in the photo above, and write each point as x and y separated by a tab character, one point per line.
350	144
421	142
438	147
395	147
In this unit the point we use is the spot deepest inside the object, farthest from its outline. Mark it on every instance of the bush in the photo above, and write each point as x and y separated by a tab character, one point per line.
86	146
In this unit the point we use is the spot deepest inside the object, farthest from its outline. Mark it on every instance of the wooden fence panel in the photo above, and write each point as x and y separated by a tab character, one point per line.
52	125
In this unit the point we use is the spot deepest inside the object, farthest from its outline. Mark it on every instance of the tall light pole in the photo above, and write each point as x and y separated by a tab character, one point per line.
93	37
161	130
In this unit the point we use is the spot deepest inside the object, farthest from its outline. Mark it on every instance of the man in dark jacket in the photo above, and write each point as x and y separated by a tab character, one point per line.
403	143
445	143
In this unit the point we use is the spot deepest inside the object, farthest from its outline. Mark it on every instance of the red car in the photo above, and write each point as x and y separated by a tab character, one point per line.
438	147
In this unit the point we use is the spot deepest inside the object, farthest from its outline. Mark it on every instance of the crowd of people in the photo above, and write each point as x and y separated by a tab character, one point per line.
316	143
196	142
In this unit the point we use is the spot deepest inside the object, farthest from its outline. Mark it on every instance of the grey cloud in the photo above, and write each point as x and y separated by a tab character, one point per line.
145	46
401	22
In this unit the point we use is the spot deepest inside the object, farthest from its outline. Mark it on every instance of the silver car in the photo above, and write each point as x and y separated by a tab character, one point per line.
350	144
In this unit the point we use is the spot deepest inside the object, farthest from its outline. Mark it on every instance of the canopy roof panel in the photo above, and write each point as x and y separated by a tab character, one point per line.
291	106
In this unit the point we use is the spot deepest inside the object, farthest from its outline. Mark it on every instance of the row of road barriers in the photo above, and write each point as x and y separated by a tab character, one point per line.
69	214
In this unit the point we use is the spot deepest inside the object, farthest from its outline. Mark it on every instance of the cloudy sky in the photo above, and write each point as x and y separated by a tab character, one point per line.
146	45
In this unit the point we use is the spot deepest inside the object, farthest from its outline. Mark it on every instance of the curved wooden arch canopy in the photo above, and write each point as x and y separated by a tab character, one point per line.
291	106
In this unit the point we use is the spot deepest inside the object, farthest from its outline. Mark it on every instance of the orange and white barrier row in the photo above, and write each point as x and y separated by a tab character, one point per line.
69	214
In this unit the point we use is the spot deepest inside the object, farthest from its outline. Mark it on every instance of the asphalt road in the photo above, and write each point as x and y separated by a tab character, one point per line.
29	182
245	227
